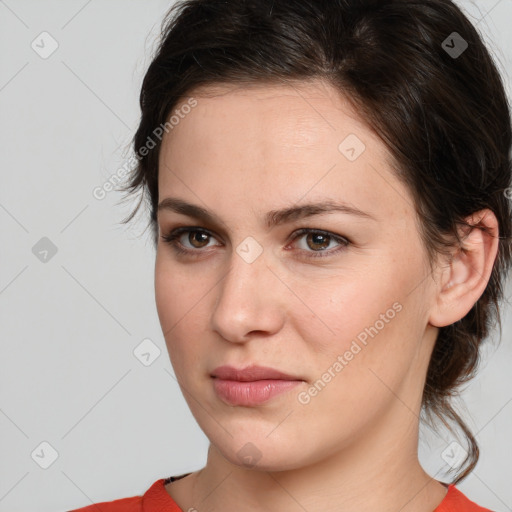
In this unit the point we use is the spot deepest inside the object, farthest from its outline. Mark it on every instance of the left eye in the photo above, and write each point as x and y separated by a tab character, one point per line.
316	240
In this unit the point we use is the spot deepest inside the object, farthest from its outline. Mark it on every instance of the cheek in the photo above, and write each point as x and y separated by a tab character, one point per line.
181	300
172	299
369	316
166	298
339	309
358	370
176	291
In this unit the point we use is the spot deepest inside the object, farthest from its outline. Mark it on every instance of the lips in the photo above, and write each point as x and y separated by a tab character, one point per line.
251	386
251	373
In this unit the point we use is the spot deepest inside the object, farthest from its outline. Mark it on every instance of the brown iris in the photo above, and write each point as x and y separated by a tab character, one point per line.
314	237
198	237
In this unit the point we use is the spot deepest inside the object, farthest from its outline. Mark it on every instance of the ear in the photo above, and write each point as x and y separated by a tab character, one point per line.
464	276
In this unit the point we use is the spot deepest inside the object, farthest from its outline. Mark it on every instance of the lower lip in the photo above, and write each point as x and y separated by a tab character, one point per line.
235	392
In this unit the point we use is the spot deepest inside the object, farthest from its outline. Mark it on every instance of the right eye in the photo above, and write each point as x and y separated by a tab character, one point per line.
196	237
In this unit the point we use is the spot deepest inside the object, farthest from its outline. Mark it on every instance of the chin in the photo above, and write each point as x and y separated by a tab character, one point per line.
249	459
261	452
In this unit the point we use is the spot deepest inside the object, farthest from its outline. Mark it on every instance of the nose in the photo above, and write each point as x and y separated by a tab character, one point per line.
251	301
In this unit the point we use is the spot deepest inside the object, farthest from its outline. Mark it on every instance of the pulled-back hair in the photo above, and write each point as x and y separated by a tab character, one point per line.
442	114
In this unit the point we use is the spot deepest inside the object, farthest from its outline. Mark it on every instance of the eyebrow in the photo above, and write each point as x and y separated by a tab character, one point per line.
272	218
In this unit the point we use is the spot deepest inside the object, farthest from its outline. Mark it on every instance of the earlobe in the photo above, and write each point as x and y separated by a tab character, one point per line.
464	279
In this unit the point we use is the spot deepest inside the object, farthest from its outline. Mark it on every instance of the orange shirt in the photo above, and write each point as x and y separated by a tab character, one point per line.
157	499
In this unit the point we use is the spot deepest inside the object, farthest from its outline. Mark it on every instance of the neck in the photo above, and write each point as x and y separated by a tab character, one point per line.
379	472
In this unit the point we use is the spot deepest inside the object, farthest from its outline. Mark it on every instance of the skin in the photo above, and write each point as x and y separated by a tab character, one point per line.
241	152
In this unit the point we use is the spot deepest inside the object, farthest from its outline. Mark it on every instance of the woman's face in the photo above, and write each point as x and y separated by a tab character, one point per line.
343	311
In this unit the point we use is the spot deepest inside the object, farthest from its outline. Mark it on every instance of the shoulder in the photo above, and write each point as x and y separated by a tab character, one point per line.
133	504
155	498
456	501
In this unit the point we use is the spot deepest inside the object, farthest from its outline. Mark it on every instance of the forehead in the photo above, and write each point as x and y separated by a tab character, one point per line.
275	121
300	111
296	139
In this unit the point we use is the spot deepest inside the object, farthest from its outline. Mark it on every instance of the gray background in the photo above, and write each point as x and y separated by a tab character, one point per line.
70	325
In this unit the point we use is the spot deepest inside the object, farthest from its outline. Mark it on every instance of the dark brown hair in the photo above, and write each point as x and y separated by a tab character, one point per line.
444	117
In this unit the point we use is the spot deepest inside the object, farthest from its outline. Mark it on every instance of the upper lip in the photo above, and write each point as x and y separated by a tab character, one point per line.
251	373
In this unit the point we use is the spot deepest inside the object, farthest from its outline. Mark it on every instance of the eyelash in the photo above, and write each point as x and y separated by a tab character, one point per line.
172	239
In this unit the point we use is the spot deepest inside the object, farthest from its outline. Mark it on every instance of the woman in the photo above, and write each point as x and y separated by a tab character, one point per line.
328	184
